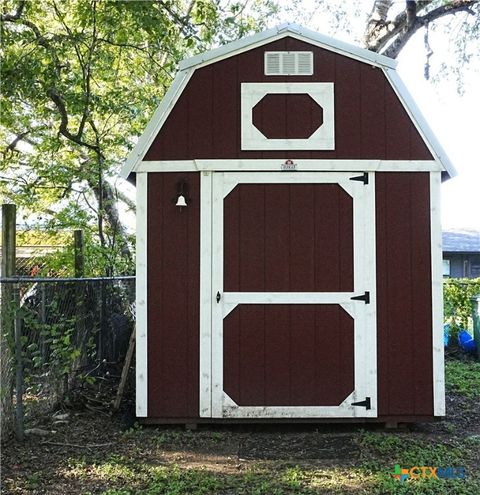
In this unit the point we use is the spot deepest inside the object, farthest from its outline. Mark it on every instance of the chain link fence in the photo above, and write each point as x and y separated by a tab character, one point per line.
70	332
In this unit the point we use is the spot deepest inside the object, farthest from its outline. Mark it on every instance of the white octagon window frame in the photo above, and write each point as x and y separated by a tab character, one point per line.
322	93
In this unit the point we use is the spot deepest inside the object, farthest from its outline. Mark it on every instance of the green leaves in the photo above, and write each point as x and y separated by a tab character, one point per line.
80	80
457	294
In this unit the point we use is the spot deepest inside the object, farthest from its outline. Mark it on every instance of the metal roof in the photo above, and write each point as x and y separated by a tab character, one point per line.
461	241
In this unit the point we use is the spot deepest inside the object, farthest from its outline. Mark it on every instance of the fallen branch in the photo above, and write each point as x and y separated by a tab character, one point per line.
76	445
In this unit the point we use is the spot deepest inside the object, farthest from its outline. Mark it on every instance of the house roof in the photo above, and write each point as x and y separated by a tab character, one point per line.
188	66
461	241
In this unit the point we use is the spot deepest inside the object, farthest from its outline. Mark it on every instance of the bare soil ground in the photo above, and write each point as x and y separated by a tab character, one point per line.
92	452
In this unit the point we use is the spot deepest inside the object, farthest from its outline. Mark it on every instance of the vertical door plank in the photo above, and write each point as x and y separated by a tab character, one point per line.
252	352
231	354
277	355
302	235
231	246
302	369
252	238
277	238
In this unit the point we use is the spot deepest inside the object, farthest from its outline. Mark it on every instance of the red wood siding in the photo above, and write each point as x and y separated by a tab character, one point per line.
404	297
173	297
288	238
370	121
288	355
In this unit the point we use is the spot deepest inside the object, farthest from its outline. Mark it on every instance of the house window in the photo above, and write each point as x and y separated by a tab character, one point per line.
446	268
474	270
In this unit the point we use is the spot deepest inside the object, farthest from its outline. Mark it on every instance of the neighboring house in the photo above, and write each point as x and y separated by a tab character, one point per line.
461	253
33	247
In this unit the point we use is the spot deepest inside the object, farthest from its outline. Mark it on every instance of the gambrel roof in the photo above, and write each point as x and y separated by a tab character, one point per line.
188	66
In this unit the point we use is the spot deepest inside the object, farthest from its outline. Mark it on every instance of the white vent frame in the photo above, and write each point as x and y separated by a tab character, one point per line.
288	63
322	139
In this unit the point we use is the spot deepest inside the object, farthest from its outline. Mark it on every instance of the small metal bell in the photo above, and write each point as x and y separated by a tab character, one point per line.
181	201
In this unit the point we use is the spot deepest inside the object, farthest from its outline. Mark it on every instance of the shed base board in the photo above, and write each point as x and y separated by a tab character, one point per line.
214	421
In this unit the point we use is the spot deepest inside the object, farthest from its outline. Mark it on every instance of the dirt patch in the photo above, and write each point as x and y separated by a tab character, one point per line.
90	451
334	448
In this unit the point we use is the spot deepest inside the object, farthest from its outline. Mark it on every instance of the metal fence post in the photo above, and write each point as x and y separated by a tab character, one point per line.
19	411
476	322
80	294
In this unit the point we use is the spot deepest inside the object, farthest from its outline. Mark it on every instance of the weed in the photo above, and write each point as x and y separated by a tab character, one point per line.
463	377
33	480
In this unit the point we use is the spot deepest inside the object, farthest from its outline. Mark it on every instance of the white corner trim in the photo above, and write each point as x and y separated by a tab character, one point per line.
437	297
419	121
303	165
322	139
156	122
141	304
205	295
279	32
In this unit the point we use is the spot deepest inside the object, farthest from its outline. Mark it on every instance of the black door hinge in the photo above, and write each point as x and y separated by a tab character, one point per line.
365	297
364	403
361	178
218	297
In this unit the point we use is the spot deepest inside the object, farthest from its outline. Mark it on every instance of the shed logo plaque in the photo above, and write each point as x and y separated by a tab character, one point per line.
289	165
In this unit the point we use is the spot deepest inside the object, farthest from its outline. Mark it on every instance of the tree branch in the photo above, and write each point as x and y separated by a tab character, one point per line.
13	145
380	31
182	22
407	31
63	129
17	15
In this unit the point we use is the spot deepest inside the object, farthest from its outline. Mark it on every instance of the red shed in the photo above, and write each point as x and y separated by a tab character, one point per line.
288	239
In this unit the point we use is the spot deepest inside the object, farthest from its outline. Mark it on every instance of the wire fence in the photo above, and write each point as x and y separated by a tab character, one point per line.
57	336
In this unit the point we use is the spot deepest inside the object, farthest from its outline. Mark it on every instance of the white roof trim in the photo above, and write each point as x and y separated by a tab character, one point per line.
419	121
156	122
188	66
282	31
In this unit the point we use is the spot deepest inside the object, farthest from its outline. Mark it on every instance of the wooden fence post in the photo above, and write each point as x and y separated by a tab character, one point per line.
7	269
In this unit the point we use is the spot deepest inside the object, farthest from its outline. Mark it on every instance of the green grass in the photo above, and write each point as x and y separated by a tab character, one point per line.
463	377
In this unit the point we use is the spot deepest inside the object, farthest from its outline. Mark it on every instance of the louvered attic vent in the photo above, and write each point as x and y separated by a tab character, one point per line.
288	63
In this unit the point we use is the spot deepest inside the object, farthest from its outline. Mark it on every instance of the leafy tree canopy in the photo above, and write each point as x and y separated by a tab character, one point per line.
81	78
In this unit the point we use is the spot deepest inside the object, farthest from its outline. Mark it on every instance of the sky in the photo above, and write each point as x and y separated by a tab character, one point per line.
453	118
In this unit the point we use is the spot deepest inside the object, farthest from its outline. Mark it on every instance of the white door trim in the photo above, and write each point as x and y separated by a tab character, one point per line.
364	314
205	294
